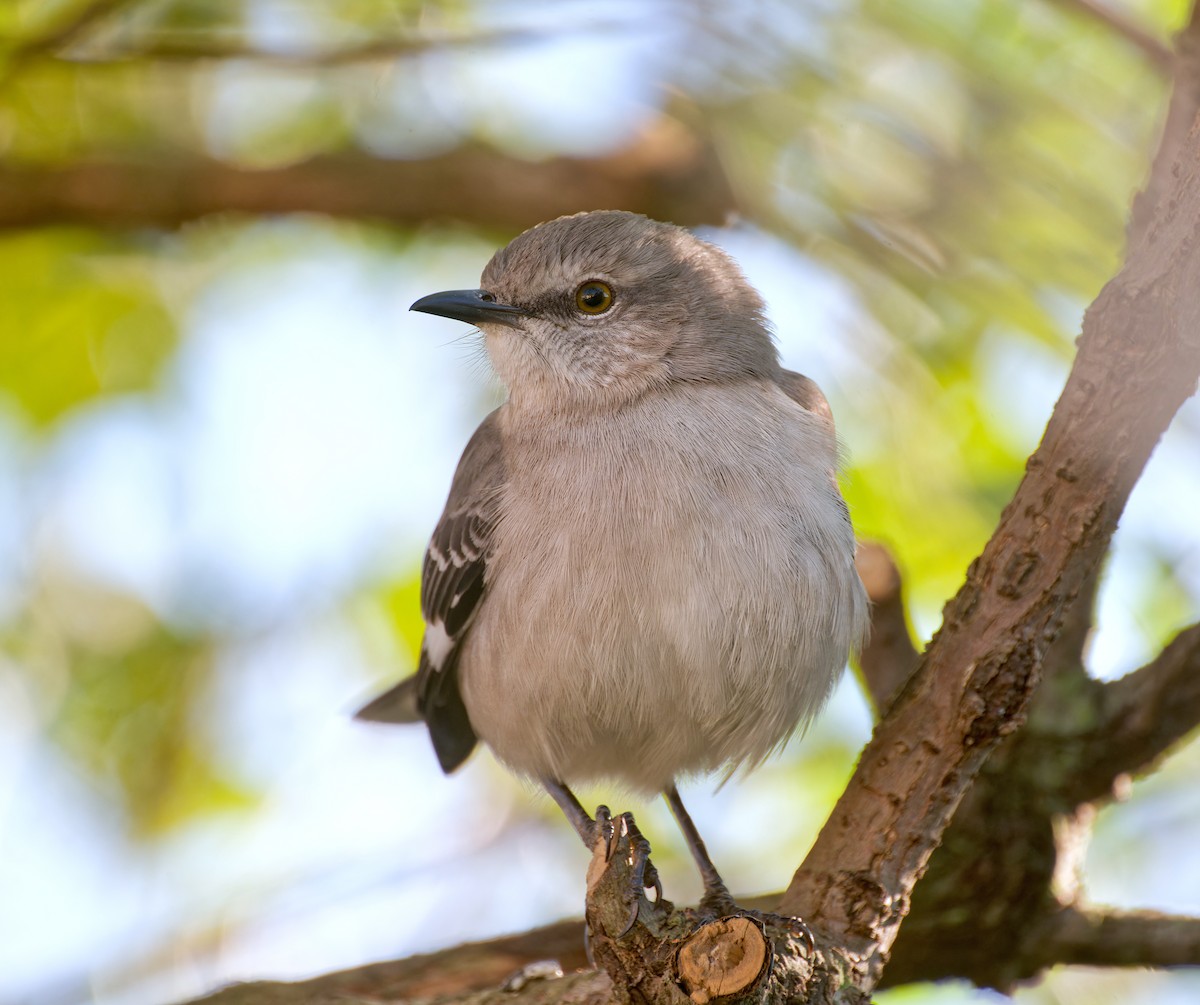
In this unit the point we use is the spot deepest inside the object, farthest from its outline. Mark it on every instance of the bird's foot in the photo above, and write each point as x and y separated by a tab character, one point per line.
797	928
619	873
717	900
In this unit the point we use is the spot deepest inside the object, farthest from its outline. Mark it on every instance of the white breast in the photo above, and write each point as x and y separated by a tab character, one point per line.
667	594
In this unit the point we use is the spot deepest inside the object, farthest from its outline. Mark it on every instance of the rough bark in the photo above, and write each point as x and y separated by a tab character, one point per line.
1138	360
1004	881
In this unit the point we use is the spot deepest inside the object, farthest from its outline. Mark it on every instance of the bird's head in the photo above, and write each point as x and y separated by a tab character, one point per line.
593	310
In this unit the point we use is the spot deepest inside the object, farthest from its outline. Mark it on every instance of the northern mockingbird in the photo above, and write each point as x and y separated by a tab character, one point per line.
644	569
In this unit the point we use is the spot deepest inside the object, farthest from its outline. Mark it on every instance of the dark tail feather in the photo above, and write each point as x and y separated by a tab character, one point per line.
397	705
443	711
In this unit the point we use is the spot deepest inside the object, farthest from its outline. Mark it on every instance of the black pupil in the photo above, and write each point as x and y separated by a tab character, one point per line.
592	296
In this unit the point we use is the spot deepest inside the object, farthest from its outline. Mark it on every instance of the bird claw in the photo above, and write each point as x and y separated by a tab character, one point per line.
799	927
621	840
604	831
650	881
643	875
796	927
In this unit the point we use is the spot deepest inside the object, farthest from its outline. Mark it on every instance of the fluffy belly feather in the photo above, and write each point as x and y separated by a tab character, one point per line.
690	630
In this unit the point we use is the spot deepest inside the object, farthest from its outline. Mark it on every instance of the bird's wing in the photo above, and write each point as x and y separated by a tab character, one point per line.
805	393
452	586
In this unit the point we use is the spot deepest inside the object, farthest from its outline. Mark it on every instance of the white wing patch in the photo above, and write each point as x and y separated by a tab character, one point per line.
437	644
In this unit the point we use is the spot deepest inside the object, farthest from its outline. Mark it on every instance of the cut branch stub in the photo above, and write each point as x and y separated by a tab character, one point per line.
656	954
723	958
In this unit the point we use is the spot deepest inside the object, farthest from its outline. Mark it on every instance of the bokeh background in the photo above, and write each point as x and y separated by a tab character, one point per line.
223	441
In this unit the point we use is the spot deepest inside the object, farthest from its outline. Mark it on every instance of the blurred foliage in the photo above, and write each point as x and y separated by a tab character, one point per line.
125	696
402	602
963	167
968	167
78	318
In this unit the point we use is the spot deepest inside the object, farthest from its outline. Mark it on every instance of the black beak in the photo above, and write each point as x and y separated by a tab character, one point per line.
473	306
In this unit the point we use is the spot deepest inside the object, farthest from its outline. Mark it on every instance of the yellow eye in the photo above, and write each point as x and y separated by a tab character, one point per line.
594	297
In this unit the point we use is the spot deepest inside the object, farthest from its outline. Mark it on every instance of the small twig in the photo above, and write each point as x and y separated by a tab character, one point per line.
1158	51
57	37
1106	937
1145	713
889	657
186	48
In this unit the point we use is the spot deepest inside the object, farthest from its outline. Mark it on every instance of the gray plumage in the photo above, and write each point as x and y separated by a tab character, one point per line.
645	568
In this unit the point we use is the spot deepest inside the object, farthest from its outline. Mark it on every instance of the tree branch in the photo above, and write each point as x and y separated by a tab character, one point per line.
56	37
1138	360
477	972
1065	655
187	48
889	657
1144	714
1101	937
1181	113
1159	53
1017	835
667	173
449	973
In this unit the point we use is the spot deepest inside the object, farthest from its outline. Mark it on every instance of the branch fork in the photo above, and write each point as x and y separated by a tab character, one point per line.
657	953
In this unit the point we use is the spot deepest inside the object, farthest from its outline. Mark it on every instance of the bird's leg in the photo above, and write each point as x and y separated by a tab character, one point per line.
590	831
716	897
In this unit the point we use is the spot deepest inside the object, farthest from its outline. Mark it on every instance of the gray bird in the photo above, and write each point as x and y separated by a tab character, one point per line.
645	569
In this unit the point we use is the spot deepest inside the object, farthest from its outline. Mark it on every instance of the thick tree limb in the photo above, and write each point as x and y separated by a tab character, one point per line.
1006	867
451	973
1138	360
997	873
667	173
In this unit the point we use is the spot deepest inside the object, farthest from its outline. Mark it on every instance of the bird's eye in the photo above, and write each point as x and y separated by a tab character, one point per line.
594	297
